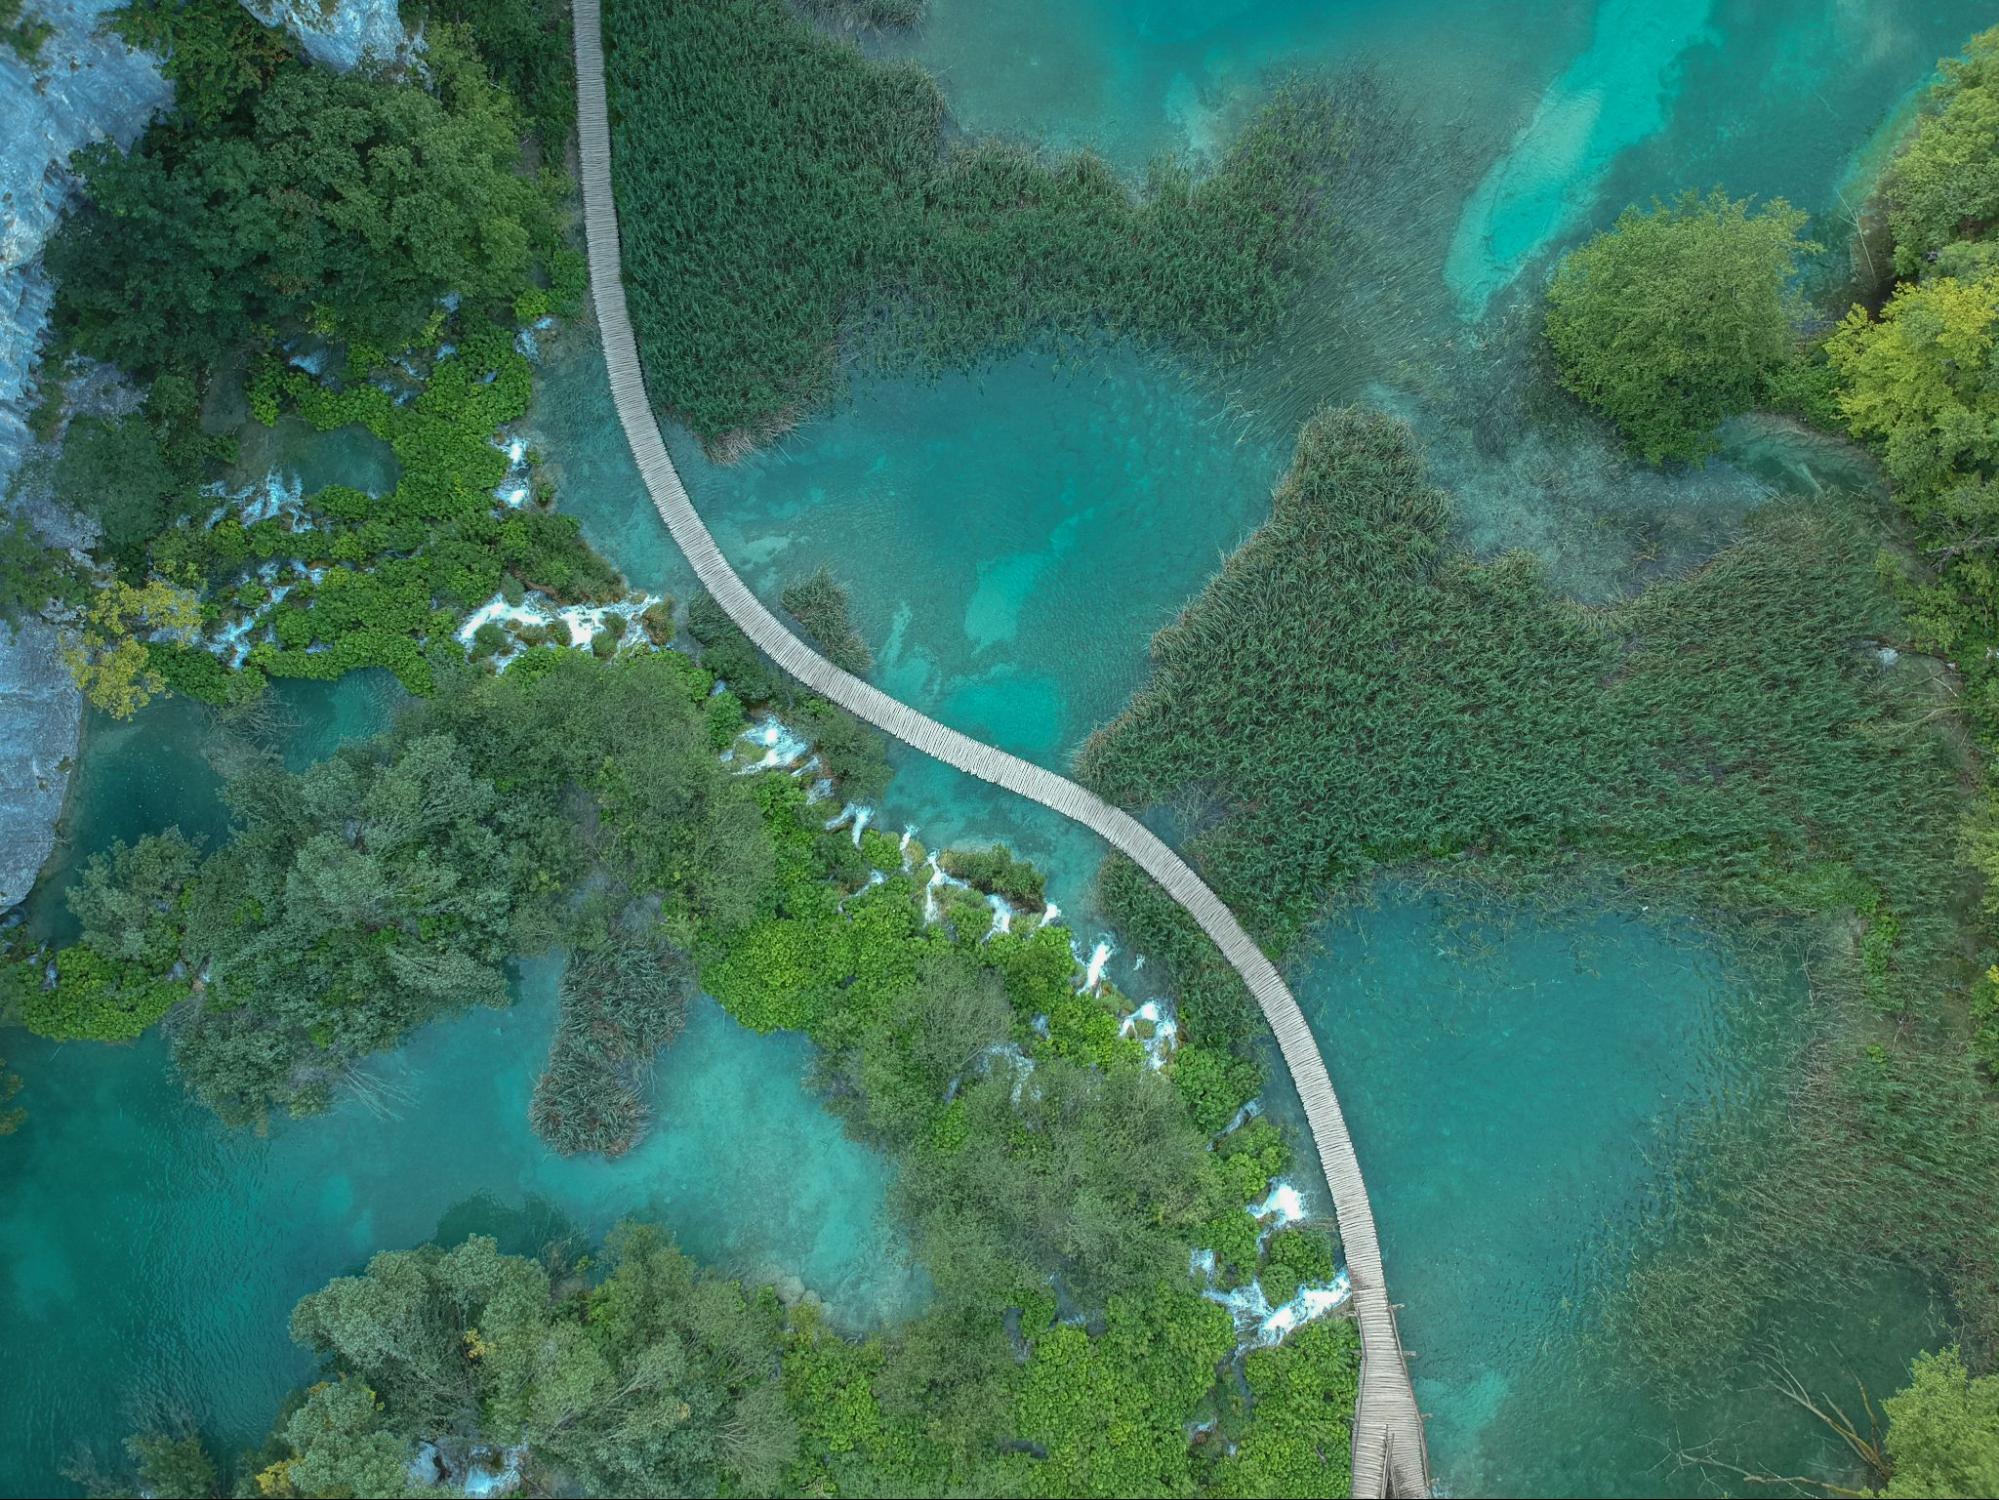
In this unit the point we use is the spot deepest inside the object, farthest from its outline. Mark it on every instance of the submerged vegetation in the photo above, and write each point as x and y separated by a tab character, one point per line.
747	278
819	605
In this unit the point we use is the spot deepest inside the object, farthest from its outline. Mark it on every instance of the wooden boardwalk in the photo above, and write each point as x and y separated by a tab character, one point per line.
1389	1455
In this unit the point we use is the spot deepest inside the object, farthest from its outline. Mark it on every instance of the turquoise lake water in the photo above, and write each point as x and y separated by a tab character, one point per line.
1011	537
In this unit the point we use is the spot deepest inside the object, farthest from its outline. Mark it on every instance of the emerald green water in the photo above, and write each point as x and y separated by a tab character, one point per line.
1011	538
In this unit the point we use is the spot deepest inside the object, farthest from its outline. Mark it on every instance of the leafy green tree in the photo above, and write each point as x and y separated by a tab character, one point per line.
1943	1431
348	201
31	573
1920	379
1675	319
169	1466
339	1447
215	53
1944	184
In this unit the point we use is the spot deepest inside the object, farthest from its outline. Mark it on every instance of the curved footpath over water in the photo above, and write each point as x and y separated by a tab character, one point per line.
1389	1455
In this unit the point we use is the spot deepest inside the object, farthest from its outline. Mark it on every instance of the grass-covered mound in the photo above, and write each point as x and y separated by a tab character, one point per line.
777	191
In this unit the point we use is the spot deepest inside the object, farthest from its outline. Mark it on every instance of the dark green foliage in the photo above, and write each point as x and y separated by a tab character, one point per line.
526	45
820	607
215	53
866	12
1677	318
729	654
342	199
31	573
999	870
788	191
621	1002
117	474
26	33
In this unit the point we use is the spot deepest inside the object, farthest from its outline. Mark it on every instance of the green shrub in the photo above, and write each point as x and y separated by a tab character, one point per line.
1678	317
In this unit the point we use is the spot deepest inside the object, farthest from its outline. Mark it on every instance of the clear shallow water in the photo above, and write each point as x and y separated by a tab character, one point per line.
1514	1085
150	1257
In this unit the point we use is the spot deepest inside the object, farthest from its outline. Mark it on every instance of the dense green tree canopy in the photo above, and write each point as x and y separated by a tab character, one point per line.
1674	320
1943	188
350	200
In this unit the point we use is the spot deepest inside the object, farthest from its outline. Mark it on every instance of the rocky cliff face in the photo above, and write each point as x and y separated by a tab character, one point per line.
84	85
40	713
341	35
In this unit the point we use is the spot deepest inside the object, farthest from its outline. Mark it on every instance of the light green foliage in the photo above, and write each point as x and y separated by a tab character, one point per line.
335	1444
1677	318
1112	1409
1944	184
1943	1431
999	870
820	607
1300	1441
171	1466
1921	379
744	279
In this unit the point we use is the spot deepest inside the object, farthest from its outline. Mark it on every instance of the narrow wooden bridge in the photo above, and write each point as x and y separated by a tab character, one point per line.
1389	1454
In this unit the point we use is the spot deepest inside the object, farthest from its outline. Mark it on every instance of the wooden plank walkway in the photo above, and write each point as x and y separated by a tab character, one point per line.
1389	1454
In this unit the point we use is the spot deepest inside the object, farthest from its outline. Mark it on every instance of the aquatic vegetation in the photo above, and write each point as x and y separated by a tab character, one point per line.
1675	320
819	605
793	195
999	870
1403	703
1352	694
622	1000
